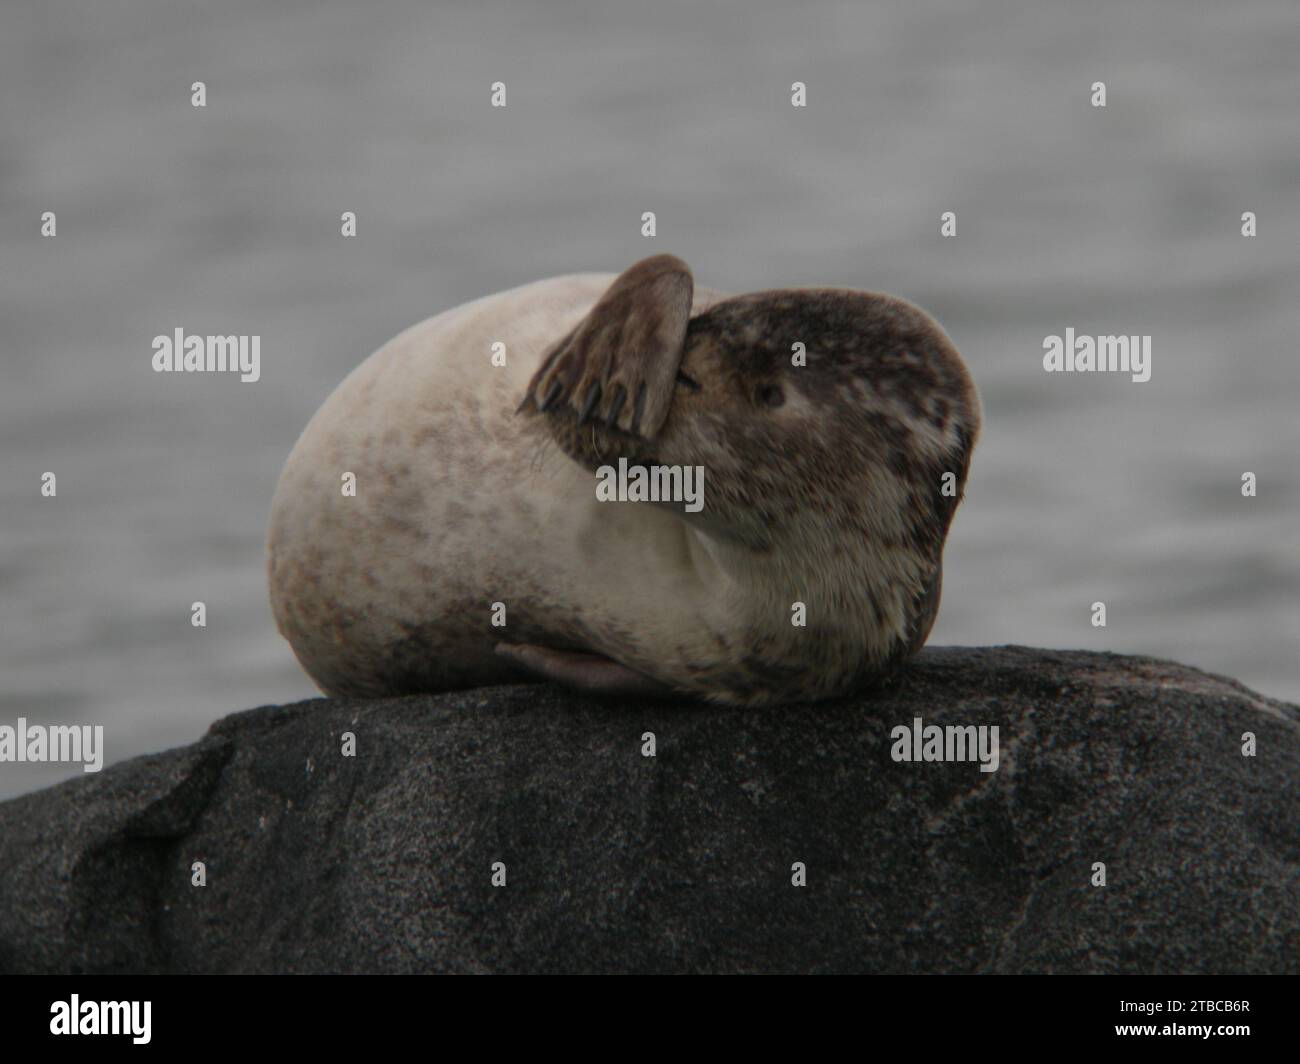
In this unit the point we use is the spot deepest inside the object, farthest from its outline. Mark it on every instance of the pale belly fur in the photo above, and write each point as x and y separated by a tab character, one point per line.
461	504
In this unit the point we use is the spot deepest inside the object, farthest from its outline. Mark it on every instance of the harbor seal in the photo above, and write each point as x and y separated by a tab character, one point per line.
474	549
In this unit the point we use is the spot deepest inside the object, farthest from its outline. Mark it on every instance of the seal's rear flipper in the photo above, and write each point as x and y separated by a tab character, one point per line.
584	672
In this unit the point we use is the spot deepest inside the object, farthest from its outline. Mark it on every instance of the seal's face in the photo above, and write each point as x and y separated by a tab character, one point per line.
825	407
816	414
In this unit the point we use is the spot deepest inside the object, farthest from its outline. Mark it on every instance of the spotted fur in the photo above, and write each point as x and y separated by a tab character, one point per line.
473	488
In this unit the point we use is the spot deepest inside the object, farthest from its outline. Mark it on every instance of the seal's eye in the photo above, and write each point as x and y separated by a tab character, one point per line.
771	395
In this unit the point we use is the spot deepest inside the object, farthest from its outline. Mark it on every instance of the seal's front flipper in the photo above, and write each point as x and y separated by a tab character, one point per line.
584	672
618	367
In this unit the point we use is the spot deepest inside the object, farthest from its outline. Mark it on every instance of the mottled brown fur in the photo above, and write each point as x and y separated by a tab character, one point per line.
854	475
822	486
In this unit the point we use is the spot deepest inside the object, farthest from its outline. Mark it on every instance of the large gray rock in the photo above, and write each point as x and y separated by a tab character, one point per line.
682	862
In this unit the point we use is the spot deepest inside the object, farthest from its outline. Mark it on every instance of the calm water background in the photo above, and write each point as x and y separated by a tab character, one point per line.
226	220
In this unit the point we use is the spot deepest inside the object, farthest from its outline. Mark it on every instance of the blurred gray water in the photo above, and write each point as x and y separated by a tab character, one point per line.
226	220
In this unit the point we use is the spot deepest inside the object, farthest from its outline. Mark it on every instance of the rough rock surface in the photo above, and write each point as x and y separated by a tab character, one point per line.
682	861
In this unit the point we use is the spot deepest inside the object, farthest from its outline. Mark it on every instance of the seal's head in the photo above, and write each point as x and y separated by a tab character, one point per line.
805	406
832	425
